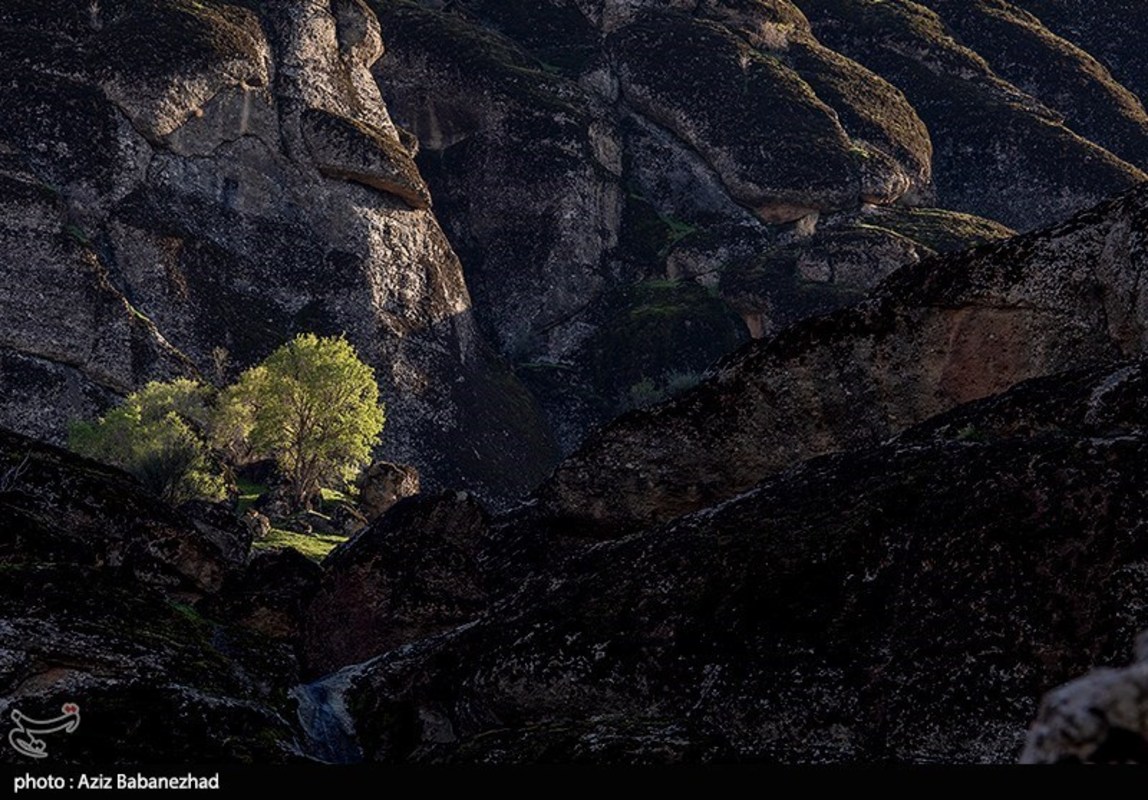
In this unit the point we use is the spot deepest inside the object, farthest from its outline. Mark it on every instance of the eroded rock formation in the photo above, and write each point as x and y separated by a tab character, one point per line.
186	185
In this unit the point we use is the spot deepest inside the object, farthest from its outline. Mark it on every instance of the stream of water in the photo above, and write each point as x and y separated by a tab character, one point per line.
326	722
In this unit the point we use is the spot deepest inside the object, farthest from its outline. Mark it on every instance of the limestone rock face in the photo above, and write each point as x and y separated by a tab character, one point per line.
660	72
186	185
946	331
1061	75
575	148
1102	28
998	151
411	574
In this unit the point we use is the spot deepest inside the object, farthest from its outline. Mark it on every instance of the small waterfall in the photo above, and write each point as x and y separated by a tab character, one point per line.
326	722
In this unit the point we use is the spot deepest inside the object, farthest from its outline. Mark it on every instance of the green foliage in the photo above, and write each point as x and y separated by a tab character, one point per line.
970	433
249	492
157	434
313	406
645	393
648	392
314	546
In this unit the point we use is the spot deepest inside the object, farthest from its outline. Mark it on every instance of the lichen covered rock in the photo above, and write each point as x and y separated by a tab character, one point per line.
906	603
946	331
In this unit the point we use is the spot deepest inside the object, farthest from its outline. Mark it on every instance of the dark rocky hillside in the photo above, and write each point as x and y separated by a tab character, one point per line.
784	155
97	586
933	336
908	603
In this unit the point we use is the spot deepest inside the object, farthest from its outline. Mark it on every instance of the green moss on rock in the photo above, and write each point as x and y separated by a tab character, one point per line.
940	230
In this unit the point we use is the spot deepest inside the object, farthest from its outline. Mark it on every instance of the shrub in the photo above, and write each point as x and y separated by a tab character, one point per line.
157	434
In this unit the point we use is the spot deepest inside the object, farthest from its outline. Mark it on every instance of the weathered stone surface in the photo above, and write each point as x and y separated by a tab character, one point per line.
181	177
411	574
1062	76
944	332
95	609
564	175
257	524
353	151
270	596
59	507
383	484
218	523
695	80
997	151
904	603
1096	719
1104	28
154	681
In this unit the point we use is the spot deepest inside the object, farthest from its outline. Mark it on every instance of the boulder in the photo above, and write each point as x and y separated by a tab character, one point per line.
153	678
221	526
412	573
1099	718
347	519
257	523
271	596
383	484
274	503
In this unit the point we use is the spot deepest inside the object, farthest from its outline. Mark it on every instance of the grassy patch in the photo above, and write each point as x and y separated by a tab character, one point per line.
335	496
941	230
315	546
249	492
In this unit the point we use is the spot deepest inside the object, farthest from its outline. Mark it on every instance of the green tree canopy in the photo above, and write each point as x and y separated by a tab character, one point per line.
157	434
313	406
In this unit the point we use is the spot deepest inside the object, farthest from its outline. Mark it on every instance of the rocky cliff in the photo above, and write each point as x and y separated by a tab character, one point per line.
935	335
634	189
906	598
784	156
975	541
188	184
